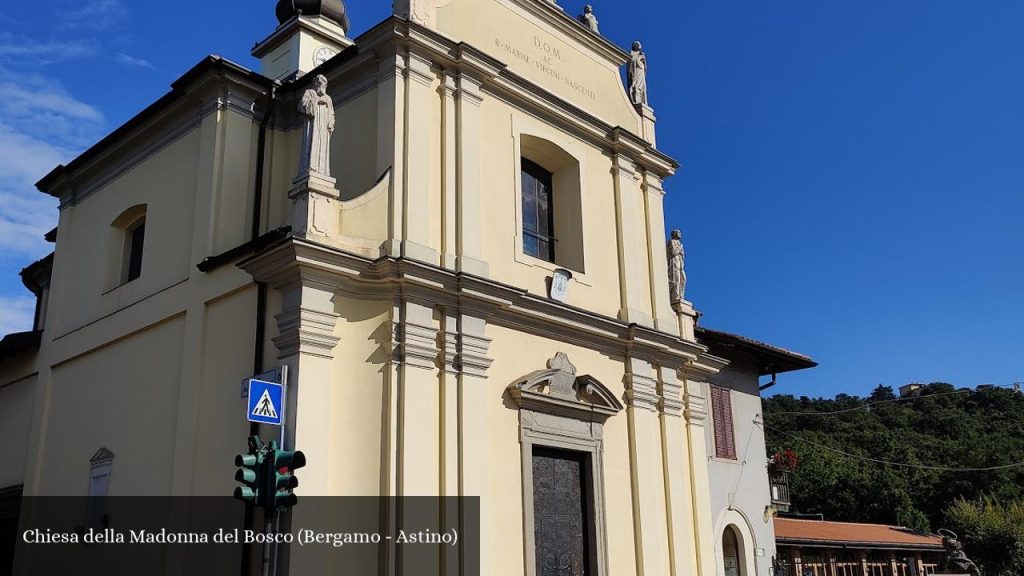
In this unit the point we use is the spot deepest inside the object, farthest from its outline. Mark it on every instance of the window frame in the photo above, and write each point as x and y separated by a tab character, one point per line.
567	159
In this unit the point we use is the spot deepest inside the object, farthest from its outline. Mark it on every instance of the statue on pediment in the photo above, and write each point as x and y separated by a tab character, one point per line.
638	75
676	268
589	19
318	108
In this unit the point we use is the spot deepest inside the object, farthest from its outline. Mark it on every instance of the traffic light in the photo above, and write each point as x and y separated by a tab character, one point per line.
281	479
250	472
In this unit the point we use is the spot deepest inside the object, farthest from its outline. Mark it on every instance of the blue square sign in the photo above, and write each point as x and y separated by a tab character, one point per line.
265	402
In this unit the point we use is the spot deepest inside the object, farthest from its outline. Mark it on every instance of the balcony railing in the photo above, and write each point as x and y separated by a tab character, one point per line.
780	489
855	568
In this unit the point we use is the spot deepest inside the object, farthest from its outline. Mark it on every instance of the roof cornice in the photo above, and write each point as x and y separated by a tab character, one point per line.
212	69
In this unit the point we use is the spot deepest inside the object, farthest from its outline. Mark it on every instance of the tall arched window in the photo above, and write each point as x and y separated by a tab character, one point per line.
538	212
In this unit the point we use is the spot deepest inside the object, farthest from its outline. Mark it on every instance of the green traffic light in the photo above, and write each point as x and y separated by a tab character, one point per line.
281	478
250	471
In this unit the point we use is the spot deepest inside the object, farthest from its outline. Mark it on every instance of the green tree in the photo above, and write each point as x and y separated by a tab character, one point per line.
992	534
838	441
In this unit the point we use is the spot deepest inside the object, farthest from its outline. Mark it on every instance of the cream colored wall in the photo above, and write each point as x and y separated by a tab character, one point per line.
152	367
358	396
597	288
17	400
86	263
542	54
228	326
121	397
740	489
516	355
354	149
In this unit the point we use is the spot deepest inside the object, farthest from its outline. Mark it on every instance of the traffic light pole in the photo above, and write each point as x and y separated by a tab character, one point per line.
268	526
276	552
267	474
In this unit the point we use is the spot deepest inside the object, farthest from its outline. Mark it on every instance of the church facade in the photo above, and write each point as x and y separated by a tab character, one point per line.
450	229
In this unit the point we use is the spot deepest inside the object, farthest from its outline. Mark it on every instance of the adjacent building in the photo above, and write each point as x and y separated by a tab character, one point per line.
743	496
820	548
468	285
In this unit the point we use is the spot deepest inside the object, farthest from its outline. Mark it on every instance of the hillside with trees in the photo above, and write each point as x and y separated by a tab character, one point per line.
941	427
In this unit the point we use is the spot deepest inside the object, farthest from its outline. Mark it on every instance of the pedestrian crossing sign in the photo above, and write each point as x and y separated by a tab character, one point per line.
265	402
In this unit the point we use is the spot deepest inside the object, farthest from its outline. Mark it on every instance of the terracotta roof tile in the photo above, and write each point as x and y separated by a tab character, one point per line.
789	530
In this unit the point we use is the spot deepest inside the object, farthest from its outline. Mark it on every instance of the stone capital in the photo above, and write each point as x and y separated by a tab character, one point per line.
641	386
696	404
670	393
414	337
305	331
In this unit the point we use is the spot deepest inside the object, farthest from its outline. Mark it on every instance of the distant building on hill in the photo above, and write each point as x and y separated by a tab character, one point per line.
910	389
820	548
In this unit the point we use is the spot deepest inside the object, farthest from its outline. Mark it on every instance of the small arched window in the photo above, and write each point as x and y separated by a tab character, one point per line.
131	227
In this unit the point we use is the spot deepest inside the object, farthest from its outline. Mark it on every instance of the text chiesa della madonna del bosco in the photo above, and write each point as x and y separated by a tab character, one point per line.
302	537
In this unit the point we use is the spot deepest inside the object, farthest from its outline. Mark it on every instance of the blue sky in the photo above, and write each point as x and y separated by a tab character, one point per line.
853	181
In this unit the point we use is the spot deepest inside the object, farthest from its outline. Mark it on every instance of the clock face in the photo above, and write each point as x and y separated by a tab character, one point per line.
323	54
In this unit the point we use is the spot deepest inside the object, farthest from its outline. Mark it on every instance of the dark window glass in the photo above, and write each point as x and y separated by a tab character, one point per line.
538	220
136	238
561	525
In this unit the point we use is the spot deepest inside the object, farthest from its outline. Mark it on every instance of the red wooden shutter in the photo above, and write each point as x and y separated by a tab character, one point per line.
721	413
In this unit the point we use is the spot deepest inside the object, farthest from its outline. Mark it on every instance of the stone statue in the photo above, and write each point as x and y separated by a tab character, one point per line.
956	560
676	268
638	75
318	108
589	19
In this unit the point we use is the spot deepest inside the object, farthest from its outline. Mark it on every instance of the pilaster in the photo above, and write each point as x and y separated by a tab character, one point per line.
678	487
633	279
390	135
419	80
306	342
646	462
417	449
470	234
648	122
654	198
449	173
703	525
473	362
687	318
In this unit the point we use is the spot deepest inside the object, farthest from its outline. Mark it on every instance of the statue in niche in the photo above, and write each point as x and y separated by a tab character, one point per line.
318	108
589	19
676	268
638	75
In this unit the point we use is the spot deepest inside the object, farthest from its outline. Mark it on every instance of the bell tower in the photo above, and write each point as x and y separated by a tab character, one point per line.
309	33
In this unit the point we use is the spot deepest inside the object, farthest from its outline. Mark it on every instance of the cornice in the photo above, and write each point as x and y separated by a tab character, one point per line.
213	85
303	261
